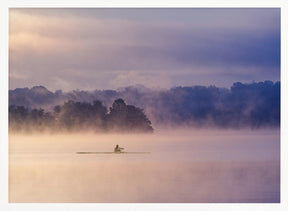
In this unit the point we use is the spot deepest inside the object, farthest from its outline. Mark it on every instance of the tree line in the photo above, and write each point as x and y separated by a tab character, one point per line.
244	105
255	105
79	116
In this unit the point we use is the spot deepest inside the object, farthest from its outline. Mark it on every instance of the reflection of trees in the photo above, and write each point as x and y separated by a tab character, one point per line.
75	116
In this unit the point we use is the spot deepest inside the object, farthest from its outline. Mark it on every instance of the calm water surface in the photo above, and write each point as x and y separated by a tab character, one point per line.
183	166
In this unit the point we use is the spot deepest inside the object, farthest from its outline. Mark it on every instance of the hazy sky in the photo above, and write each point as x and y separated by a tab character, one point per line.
109	48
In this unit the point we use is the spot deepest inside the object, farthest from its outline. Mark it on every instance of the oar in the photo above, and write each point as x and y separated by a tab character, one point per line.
113	152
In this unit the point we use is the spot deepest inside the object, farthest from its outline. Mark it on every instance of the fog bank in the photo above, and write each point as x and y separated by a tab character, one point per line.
253	105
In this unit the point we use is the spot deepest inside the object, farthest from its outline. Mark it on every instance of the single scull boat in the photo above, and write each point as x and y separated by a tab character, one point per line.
113	152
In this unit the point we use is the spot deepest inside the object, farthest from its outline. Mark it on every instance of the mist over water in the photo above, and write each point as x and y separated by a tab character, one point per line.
183	166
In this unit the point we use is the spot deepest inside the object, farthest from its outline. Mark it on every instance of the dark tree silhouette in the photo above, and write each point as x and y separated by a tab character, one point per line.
80	115
137	120
252	105
17	117
76	116
124	117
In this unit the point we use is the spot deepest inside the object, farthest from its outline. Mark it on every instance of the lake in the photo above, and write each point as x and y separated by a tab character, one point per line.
184	166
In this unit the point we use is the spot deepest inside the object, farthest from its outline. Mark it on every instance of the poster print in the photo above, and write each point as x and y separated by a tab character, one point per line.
178	105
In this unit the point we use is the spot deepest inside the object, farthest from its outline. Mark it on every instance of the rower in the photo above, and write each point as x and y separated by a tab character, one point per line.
118	149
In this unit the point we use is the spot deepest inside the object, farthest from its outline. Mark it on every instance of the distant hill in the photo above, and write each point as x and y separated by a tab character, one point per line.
254	105
37	96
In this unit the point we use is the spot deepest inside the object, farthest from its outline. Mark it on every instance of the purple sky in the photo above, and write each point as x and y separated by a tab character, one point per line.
109	48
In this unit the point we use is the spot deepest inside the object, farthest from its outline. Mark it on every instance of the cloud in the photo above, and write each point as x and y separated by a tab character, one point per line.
145	78
93	47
